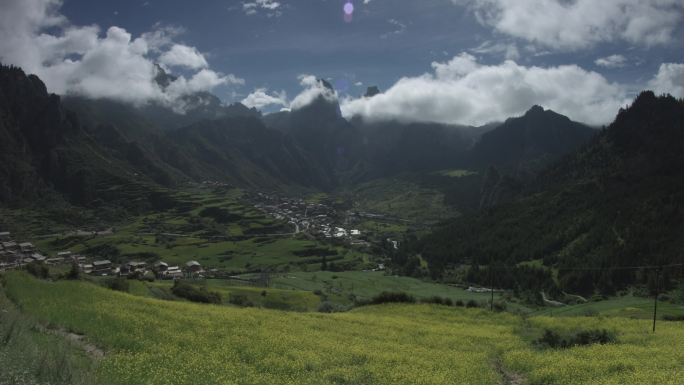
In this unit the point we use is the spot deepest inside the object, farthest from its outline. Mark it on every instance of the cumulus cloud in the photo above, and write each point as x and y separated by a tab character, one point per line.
578	24
270	7
183	56
313	89
80	60
463	91
669	80
260	98
612	61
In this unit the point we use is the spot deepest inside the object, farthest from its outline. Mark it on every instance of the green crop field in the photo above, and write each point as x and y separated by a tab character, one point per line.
148	341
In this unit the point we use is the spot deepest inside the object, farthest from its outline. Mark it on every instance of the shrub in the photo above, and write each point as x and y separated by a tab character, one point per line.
38	270
118	284
459	303
74	273
471	304
554	340
189	292
673	317
438	301
240	300
326	307
499	306
389	297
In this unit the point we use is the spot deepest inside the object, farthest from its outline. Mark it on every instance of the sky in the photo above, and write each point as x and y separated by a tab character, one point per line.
449	61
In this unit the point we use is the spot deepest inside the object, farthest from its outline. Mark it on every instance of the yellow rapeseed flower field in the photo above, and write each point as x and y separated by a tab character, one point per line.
150	341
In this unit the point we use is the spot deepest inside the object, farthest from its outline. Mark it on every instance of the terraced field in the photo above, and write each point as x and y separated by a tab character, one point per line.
147	341
214	227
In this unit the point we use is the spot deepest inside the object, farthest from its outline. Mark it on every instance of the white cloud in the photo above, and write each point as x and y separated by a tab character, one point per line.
270	7
669	80
577	24
463	91
260	99
313	89
399	28
183	56
612	61
78	60
507	50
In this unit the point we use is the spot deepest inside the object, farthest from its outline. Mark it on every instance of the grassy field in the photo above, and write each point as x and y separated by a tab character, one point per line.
269	298
343	287
147	341
627	306
30	355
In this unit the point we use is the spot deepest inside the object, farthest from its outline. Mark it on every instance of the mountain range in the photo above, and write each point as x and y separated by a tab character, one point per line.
93	150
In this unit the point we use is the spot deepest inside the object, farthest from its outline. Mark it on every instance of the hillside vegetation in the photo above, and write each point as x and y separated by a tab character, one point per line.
616	202
148	341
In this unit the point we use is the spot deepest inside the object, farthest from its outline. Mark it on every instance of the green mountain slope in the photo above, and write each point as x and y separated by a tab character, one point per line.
618	201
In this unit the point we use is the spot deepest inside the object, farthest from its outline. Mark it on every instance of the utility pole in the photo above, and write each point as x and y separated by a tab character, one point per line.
655	301
491	285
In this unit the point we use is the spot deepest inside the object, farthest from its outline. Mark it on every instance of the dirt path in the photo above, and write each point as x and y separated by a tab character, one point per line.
508	377
78	340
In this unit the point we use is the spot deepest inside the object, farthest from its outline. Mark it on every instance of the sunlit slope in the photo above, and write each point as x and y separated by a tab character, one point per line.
155	342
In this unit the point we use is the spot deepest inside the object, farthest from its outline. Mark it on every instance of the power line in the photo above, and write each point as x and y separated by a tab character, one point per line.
645	267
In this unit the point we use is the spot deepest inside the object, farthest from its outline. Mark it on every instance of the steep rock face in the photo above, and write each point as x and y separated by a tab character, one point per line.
32	127
44	148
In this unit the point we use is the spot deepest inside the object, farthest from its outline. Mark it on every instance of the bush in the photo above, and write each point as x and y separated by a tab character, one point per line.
500	306
673	317
189	292
438	301
472	304
326	307
74	273
118	284
240	300
38	270
459	303
554	340
389	297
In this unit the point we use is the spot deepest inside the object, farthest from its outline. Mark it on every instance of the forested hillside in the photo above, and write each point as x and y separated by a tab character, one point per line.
616	202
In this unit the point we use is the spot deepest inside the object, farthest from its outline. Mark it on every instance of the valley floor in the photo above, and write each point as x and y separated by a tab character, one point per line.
148	341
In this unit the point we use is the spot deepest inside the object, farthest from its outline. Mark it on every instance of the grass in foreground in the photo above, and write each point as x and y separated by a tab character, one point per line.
30	354
158	342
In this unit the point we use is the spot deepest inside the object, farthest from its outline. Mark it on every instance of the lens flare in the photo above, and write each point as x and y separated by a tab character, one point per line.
349	8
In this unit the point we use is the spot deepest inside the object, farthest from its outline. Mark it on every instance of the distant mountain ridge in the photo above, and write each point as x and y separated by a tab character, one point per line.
312	147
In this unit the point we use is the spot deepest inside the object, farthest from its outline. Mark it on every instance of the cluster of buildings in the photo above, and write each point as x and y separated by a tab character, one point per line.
159	270
316	218
15	254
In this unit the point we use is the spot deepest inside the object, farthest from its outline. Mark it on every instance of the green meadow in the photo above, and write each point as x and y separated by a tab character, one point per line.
150	341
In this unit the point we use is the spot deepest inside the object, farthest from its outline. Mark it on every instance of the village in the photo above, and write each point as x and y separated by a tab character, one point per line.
16	255
313	219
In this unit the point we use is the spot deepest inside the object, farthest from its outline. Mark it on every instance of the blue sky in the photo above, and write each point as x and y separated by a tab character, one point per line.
385	40
559	51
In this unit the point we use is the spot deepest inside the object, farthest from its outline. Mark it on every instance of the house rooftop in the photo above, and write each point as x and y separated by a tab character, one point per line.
103	262
192	263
